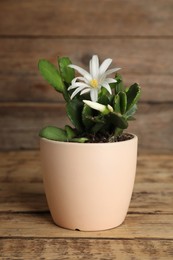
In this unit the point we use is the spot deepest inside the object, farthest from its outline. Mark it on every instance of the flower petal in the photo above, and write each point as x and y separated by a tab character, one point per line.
79	78
106	86
81	71
110	80
76	91
86	90
104	66
90	66
95	105
94	67
78	84
71	87
94	94
111	71
110	108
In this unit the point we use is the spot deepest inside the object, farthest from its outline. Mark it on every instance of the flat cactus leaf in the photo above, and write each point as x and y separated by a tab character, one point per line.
67	73
123	102
133	95
97	119
51	75
87	115
118	131
118	121
53	133
119	86
79	140
96	123
104	100
116	105
131	118
74	110
129	114
97	127
70	132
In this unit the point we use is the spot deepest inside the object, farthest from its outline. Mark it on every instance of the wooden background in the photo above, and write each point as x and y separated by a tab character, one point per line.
137	35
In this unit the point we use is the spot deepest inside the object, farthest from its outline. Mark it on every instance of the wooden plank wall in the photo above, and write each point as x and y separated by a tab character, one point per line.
138	35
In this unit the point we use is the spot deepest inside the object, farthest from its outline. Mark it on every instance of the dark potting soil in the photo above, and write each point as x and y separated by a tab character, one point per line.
109	139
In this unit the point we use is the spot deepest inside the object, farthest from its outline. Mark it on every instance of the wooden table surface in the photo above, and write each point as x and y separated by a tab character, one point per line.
28	232
137	35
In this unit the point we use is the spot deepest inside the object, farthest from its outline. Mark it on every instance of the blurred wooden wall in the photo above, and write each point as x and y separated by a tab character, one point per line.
137	35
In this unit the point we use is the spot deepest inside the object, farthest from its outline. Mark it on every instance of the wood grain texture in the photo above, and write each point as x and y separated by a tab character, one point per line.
24	167
81	18
28	232
138	35
135	226
61	249
146	61
20	125
27	195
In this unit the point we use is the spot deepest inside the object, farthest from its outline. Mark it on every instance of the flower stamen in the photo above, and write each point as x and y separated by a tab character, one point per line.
94	83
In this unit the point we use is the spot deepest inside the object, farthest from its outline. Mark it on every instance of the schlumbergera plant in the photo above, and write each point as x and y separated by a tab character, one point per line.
98	106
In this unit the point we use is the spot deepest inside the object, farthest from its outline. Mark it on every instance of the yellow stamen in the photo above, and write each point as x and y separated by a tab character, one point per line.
94	83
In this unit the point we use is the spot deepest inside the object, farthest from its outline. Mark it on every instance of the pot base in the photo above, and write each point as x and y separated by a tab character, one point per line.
89	229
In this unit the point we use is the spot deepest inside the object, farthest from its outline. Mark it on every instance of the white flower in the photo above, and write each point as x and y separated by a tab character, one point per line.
97	106
93	81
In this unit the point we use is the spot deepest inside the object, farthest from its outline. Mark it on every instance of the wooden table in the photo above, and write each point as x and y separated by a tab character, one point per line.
28	232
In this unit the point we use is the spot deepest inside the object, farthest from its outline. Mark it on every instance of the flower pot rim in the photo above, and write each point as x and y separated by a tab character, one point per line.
90	144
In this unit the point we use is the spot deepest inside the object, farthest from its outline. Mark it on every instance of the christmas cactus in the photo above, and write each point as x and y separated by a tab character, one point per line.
99	107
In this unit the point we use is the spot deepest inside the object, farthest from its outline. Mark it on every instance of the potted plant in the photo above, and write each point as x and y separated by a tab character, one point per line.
89	166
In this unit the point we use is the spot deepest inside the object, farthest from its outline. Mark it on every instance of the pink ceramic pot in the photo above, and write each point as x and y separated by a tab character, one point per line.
88	186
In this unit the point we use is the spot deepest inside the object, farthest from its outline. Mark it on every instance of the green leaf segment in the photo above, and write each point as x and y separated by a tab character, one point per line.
88	122
51	74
